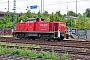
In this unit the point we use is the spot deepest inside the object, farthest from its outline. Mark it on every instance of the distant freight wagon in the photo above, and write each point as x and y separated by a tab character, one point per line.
36	28
5	31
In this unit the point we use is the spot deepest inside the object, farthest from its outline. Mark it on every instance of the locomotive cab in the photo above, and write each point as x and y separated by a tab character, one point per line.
35	20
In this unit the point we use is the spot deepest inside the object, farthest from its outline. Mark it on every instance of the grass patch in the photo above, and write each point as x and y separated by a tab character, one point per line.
65	56
30	53
20	45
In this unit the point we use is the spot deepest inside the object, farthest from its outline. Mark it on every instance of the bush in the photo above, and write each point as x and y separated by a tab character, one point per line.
31	53
65	57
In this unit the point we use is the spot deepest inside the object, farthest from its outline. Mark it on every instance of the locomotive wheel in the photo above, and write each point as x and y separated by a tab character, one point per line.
33	39
20	36
48	39
26	38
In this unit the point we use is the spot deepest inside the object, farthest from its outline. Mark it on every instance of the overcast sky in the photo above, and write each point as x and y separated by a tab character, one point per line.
49	5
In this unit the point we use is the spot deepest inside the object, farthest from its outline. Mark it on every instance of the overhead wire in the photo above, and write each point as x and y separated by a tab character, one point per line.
61	3
72	8
64	2
3	2
12	1
50	4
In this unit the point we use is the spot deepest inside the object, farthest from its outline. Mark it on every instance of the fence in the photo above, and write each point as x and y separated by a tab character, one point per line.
80	33
75	32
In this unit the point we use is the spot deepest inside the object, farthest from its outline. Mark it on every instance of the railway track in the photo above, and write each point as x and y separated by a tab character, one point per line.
79	49
75	44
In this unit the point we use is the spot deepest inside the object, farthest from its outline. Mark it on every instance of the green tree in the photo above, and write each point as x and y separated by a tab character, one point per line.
28	14
39	15
87	23
81	21
88	12
6	22
64	15
46	16
70	23
52	18
78	23
58	16
71	13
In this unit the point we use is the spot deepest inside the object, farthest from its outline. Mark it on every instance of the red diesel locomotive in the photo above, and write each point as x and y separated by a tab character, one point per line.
36	28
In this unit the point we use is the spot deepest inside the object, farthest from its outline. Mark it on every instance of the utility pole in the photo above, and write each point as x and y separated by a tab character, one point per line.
14	13
41	6
67	10
76	6
8	5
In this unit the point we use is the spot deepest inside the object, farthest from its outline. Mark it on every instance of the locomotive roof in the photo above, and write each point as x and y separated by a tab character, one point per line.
31	18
